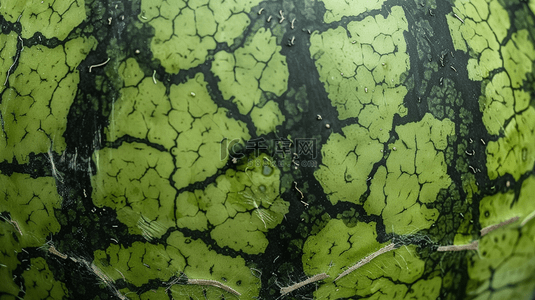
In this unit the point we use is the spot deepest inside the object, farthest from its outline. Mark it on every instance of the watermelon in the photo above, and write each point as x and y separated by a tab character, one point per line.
210	149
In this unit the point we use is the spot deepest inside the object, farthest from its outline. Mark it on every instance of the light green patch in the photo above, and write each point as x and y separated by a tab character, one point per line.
335	9
187	123
8	257
267	118
456	33
201	126
134	180
337	247
488	61
203	263
506	263
242	205
49	17
516	290
505	105
347	161
502	97
154	294
403	187
142	112
35	107
425	289
498	20
477	31
31	203
163	262
518	55
481	6
497	208
39	281
363	74
516	269
498	102
179	45
254	70
131	73
8	46
483	34
514	153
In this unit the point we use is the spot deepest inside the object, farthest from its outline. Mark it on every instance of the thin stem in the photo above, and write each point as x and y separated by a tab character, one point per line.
293	287
472	246
214	283
367	259
490	228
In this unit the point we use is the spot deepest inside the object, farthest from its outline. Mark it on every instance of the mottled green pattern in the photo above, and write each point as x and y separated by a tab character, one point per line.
47	17
502	65
8	44
406	184
8	258
120	182
514	153
186	122
179	45
251	73
241	205
363	73
338	9
40	282
345	160
505	265
34	201
41	88
502	206
501	61
335	247
362	76
154	149
31	204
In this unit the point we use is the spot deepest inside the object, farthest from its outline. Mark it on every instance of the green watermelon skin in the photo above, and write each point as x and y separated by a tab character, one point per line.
210	149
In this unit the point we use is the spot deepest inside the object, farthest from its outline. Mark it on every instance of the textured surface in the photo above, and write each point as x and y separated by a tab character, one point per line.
210	149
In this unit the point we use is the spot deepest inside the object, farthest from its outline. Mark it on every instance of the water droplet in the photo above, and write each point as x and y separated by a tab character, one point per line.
267	170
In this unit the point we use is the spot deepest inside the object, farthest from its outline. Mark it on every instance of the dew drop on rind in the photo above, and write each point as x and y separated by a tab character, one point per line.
267	170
